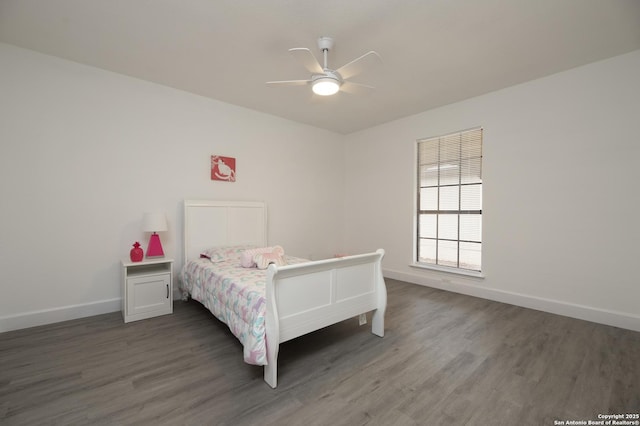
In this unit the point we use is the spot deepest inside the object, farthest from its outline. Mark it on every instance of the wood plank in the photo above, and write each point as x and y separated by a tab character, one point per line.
445	359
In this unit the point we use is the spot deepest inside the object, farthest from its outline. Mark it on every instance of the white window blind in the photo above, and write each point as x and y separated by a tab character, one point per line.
449	225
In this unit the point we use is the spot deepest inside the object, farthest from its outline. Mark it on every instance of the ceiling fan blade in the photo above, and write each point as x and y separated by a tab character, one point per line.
289	83
306	58
355	88
358	65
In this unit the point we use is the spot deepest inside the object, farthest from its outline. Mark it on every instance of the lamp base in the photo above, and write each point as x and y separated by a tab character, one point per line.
155	247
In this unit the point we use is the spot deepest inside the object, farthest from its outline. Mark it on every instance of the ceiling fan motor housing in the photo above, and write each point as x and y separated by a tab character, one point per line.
328	74
325	43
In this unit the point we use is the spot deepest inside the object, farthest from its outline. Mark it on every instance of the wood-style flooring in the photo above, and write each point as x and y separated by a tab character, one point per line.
446	359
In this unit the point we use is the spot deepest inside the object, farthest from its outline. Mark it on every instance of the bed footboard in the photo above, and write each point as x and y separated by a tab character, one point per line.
306	297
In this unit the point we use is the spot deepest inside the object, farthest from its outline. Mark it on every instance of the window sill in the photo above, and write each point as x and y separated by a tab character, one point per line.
467	273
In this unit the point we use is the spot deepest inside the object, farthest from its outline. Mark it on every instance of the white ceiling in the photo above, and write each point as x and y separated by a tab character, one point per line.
434	52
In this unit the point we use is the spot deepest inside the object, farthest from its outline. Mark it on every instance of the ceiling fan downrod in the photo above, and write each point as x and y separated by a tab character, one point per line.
325	44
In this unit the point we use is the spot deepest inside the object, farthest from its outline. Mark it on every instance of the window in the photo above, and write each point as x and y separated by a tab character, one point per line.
449	201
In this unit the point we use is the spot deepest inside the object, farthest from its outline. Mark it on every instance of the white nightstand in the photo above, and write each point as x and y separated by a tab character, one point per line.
147	288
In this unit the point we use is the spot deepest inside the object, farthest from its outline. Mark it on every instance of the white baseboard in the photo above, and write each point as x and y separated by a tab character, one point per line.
64	313
587	313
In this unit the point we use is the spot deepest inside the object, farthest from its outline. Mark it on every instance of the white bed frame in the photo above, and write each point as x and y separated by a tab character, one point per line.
300	298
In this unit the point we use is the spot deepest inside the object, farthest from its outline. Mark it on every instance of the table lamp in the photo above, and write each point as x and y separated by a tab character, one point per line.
154	222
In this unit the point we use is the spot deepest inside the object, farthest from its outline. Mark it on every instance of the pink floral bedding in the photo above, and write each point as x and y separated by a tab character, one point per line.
235	295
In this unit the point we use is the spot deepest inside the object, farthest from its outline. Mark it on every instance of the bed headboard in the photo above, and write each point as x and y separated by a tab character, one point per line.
222	223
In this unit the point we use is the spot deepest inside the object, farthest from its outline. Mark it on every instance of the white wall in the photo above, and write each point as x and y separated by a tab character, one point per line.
561	200
84	153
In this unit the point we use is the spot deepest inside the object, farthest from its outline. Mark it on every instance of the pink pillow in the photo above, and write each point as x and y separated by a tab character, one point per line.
247	256
263	260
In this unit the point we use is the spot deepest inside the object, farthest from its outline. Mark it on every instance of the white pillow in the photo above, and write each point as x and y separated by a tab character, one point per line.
218	254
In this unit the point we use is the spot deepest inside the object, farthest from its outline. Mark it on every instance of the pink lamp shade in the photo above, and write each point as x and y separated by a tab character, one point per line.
154	222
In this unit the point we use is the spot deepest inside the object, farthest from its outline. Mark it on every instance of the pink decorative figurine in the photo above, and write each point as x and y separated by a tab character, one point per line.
136	252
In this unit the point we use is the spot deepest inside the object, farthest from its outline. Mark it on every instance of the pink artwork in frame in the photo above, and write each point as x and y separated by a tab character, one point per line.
223	168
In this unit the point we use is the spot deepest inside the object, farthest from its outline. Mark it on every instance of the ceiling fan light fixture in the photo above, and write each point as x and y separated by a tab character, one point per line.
325	86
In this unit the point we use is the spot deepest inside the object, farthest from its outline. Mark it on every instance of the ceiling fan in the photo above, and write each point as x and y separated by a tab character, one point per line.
325	81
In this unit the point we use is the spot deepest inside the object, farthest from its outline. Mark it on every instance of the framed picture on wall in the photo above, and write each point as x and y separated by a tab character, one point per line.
223	168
